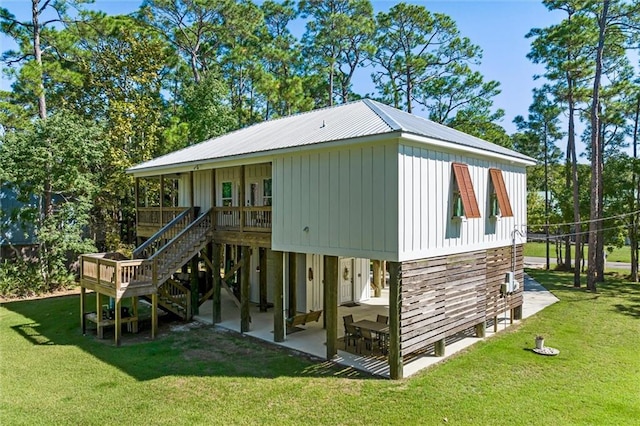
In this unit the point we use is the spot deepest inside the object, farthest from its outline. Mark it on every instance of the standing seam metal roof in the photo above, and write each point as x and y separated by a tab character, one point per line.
347	121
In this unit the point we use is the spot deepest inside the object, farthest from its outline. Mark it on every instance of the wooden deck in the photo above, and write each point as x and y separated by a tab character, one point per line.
114	275
170	246
231	225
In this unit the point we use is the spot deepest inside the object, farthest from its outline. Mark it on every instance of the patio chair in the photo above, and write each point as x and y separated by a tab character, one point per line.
383	319
351	333
369	339
347	319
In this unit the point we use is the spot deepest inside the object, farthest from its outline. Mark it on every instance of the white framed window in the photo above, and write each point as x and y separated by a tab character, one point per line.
267	194
227	194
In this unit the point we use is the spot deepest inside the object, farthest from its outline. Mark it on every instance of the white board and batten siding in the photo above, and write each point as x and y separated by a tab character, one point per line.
340	202
425	224
389	201
253	173
201	189
202	182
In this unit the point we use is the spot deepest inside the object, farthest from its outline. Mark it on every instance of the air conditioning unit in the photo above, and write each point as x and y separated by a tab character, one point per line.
510	284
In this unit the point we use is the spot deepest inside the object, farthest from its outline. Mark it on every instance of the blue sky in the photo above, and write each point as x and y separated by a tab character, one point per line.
497	26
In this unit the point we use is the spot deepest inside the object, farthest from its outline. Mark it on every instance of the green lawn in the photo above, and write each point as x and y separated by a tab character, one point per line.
622	254
51	374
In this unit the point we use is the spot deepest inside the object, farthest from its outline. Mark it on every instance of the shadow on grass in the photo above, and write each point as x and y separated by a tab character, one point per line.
194	351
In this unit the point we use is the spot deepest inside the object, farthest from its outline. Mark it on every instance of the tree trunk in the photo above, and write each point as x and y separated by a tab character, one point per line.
194	66
546	198
409	90
567	182
46	204
566	263
331	83
633	235
596	163
37	53
601	258
576	188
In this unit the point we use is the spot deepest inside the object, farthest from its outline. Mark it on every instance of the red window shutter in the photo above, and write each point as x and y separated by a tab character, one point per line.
467	194
501	192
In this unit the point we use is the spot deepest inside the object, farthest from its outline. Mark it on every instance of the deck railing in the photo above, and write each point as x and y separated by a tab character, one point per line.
157	216
243	219
114	272
239	219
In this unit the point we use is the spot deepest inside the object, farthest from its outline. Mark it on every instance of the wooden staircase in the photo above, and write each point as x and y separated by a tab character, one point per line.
175	298
172	295
157	260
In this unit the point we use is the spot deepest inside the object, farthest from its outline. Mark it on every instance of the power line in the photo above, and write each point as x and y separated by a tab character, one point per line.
571	234
584	221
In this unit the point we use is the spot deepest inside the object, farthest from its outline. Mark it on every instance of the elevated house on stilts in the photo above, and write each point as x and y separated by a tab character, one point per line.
287	216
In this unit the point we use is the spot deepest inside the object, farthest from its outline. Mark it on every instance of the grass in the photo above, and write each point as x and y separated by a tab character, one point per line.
51	374
533	249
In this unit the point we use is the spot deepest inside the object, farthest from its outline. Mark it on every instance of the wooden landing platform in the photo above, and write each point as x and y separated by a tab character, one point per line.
131	321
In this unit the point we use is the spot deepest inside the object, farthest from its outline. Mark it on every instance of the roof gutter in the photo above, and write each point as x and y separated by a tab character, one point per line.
450	146
256	157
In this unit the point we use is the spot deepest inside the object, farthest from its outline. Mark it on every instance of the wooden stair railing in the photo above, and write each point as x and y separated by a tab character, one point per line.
181	248
165	234
164	262
176	298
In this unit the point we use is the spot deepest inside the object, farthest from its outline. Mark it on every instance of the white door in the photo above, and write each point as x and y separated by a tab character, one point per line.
346	281
315	286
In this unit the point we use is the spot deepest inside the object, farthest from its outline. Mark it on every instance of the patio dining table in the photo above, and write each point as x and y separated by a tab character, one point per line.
381	329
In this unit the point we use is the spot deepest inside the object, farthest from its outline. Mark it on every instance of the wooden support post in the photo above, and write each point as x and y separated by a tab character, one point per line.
276	279
208	267
134	312
137	204
481	329
118	317
162	222
191	192
217	285
383	281
245	314
331	304
396	368
83	320
377	277
511	313
517	312
242	198
293	283
195	287
263	279
214	200
154	315
440	347
99	327
495	324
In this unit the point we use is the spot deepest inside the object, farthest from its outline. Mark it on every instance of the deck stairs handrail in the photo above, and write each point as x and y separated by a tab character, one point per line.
175	297
127	277
181	248
165	234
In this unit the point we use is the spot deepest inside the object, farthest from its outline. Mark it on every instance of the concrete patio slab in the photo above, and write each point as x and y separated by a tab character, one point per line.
312	340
